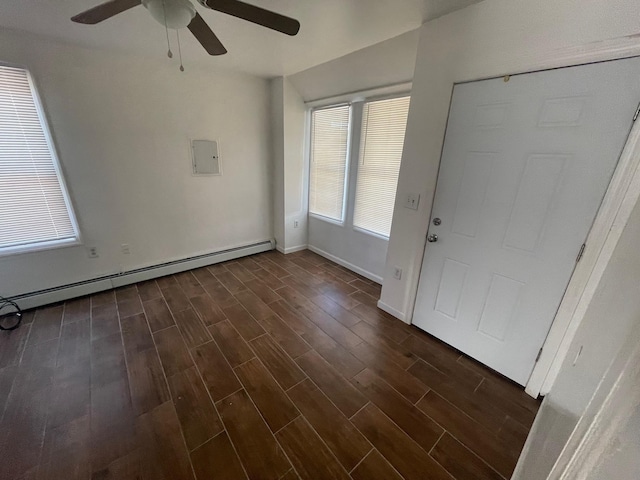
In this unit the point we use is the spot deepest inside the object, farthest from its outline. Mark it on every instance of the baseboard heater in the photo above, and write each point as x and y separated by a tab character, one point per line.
107	282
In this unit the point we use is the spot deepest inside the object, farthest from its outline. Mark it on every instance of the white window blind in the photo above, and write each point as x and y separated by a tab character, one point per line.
329	139
383	127
34	210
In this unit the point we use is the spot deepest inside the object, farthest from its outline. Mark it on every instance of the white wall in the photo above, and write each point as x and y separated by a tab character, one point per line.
122	126
608	323
290	167
382	64
491	38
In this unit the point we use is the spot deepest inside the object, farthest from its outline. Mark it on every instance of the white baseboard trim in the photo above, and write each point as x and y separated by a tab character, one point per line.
286	251
87	287
392	311
344	263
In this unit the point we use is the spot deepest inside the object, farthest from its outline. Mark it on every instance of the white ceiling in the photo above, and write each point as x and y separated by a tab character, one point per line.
330	29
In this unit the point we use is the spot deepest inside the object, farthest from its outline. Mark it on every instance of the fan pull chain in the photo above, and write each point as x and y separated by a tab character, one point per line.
166	31
179	50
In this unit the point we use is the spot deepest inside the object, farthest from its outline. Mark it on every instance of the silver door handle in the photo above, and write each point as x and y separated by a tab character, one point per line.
432	238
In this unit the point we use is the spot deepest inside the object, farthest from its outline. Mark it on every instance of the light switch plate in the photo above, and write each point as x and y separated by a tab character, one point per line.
412	201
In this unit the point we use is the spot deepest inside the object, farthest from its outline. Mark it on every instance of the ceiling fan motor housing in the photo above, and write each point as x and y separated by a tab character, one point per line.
175	14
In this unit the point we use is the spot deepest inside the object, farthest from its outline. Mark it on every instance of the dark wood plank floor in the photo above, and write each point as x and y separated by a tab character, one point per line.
267	367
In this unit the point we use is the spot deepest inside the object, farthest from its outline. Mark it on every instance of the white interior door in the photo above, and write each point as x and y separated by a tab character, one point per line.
525	166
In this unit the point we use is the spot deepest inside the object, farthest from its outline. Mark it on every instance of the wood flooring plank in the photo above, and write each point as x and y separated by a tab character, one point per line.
343	439
107	360
230	281
167	281
207	310
220	295
483	412
216	373
274	269
262	290
12	344
193	330
77	309
239	271
243	322
189	284
217	459
196	413
46	325
279	364
391	328
103	298
375	467
424	431
129	292
372	289
135	334
400	354
252	303
258	450
7	376
323	320
232	345
176	300
273	404
158	314
104	320
129	307
475	437
249	263
173	352
411	461
444	359
148	290
288	340
268	279
344	395
510	399
461	462
162	451
146	380
204	276
404	382
309	455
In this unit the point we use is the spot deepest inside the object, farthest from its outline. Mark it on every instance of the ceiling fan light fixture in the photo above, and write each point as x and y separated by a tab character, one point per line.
176	13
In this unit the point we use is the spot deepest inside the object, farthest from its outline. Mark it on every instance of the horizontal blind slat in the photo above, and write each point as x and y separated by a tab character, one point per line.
32	204
383	129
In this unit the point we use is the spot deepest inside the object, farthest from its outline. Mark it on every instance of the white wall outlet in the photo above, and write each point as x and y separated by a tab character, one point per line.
412	201
92	252
296	224
124	248
397	273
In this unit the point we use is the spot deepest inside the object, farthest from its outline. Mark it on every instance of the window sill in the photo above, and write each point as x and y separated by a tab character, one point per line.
370	233
327	219
39	247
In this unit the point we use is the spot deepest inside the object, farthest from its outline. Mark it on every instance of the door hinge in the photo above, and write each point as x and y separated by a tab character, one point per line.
581	252
637	114
539	355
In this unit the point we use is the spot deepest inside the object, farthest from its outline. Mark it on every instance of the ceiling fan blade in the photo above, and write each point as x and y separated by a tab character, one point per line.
105	10
254	14
206	37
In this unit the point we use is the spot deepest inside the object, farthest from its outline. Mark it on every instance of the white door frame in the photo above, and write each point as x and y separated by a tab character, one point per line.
613	215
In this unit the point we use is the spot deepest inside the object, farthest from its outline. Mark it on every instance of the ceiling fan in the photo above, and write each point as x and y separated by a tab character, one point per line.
178	14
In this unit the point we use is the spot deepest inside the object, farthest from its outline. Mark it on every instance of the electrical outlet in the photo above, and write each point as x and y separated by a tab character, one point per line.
92	252
397	273
296	224
124	248
412	201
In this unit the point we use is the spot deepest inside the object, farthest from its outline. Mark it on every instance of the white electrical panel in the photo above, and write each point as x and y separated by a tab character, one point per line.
206	157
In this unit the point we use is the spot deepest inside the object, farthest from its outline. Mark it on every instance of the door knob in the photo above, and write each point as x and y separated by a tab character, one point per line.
432	238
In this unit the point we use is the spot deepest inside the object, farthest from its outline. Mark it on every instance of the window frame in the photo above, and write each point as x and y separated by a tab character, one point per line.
347	165
356	103
46	130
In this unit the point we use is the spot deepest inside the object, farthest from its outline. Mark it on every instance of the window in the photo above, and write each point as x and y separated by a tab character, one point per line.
383	127
35	212
329	148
